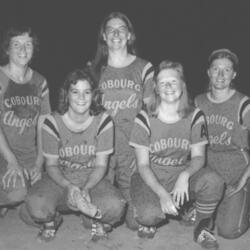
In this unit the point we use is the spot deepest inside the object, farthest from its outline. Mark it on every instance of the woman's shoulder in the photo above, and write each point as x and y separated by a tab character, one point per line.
142	61
38	77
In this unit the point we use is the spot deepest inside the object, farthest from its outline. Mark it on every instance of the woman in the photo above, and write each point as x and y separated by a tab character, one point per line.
126	82
228	118
24	98
169	141
77	141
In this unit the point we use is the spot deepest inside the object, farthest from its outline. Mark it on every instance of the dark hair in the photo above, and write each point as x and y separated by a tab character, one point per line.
71	79
16	31
224	53
101	56
185	106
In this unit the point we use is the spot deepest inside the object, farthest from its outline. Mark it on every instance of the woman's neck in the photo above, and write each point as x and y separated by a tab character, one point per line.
168	112
221	95
76	122
119	59
18	74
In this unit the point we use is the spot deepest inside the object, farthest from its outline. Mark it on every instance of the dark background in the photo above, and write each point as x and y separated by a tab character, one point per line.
182	30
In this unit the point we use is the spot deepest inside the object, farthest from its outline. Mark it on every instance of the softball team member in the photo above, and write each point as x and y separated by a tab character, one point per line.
126	81
24	100
77	142
228	117
169	141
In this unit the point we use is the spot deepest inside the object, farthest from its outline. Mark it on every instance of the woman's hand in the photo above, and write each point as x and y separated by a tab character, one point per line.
180	191
14	171
36	171
167	204
85	194
71	192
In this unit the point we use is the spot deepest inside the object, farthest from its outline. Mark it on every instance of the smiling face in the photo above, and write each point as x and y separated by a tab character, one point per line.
20	50
169	85
221	73
116	34
80	98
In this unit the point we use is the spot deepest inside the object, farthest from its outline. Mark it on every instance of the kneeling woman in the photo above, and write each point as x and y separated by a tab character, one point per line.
77	141
170	142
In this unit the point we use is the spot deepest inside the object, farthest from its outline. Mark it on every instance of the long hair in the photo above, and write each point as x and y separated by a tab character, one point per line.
185	106
13	32
72	78
101	56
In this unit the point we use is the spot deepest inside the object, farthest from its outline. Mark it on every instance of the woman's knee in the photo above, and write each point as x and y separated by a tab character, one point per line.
212	185
231	232
39	208
17	195
114	210
149	215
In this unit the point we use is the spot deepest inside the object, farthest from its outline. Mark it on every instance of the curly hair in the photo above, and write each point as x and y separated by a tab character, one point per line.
186	106
71	79
13	32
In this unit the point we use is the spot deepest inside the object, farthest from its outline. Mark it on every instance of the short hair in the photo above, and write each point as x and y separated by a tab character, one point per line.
71	79
17	31
224	53
185	106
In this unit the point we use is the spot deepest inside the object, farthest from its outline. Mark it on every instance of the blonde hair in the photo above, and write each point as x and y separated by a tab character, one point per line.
185	105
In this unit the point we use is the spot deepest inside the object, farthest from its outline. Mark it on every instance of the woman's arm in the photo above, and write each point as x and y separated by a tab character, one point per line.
180	191
55	173
14	170
143	164
101	165
36	172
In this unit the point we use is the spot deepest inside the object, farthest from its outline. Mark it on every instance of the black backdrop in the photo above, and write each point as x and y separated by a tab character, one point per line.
182	30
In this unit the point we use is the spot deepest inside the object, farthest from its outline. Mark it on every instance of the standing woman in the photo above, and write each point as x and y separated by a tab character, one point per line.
77	141
24	100
228	118
170	142
126	82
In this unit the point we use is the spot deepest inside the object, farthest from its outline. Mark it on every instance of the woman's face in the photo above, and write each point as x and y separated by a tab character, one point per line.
80	97
169	85
221	73
20	50
116	34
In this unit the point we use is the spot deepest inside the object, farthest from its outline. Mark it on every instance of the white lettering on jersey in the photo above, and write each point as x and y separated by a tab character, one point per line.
117	105
11	120
222	139
220	120
21	100
163	144
121	83
166	161
77	150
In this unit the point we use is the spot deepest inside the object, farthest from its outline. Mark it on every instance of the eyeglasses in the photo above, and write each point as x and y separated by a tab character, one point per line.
120	30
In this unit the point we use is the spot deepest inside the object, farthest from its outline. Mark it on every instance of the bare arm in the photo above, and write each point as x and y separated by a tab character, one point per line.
180	191
35	173
55	173
14	170
143	164
101	164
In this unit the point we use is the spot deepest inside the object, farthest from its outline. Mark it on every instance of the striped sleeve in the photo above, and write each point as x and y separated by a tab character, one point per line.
50	137
199	132
244	113
140	135
105	135
45	105
148	82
